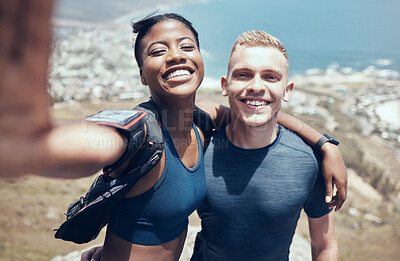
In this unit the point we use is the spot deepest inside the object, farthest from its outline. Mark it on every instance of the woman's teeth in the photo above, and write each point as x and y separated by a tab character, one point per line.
177	73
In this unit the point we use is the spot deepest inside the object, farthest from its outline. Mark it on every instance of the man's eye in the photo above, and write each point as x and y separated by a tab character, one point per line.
242	75
271	78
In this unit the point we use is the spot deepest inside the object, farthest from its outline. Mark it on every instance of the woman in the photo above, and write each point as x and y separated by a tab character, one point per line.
150	223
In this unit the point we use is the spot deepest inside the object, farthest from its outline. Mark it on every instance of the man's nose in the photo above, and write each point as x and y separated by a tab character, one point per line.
257	84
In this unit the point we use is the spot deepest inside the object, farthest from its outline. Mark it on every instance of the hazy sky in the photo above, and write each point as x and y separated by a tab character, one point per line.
309	29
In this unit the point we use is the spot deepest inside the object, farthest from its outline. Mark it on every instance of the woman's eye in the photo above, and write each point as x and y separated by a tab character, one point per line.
187	47
157	52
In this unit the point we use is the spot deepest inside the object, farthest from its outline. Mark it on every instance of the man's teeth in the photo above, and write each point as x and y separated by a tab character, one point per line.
177	73
256	103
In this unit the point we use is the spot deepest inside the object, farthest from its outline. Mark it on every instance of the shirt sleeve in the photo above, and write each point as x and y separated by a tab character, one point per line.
315	206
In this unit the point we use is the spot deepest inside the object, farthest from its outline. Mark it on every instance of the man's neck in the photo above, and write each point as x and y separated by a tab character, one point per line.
248	137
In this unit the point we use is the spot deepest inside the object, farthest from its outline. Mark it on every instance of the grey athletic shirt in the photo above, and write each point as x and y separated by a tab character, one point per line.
254	198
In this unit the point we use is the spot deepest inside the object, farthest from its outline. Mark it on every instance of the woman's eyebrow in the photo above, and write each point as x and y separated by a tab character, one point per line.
185	37
180	39
156	42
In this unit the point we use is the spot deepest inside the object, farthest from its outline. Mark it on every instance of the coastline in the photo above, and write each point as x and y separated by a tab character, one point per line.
100	66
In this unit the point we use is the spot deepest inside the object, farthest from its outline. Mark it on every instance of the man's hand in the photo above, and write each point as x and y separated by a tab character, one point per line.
93	254
334	170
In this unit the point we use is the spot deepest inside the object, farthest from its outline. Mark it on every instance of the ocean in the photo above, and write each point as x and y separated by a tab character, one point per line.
317	34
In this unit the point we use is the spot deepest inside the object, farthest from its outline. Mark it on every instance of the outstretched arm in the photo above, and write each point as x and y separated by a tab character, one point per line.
333	166
29	141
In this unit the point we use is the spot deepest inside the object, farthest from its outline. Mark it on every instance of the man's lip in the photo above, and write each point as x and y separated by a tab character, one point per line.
173	69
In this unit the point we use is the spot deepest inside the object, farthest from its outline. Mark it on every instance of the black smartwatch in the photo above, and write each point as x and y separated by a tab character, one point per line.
322	140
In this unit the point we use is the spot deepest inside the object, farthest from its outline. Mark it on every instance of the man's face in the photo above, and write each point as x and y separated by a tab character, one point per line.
256	85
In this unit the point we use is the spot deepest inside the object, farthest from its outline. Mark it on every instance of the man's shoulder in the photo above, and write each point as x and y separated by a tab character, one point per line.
297	149
293	141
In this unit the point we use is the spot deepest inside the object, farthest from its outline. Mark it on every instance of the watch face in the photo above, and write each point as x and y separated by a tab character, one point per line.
332	139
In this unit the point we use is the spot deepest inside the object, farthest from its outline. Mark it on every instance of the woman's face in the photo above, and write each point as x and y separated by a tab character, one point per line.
172	64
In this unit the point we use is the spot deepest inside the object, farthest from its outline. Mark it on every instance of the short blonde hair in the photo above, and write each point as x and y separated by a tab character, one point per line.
258	38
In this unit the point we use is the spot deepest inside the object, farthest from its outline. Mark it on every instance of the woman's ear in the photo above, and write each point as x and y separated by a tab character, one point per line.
142	78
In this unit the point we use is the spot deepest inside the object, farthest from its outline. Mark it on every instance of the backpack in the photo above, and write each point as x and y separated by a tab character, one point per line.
89	214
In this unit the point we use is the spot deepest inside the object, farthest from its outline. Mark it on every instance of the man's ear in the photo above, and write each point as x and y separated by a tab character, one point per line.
224	86
142	79
288	92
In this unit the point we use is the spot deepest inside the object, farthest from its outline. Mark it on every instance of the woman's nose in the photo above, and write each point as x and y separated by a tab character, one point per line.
175	55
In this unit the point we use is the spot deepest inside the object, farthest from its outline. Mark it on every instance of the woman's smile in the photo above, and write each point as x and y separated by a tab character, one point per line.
172	63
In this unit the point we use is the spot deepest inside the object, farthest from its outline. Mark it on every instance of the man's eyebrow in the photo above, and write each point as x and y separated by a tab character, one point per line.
242	69
271	70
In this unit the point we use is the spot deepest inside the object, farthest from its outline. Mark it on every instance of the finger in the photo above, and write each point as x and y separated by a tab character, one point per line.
85	256
339	204
342	195
90	254
333	203
97	255
328	189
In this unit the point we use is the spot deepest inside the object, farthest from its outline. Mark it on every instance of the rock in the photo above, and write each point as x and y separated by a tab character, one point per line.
372	218
355	225
354	212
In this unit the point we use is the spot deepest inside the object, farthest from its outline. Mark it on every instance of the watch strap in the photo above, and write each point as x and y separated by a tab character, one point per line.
325	138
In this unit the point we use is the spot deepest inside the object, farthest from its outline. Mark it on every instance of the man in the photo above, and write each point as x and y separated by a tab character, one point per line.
260	175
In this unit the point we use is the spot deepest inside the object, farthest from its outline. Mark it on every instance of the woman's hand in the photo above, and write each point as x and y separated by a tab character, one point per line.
334	170
93	254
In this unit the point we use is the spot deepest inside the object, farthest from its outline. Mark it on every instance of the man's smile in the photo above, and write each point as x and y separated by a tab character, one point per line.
255	103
